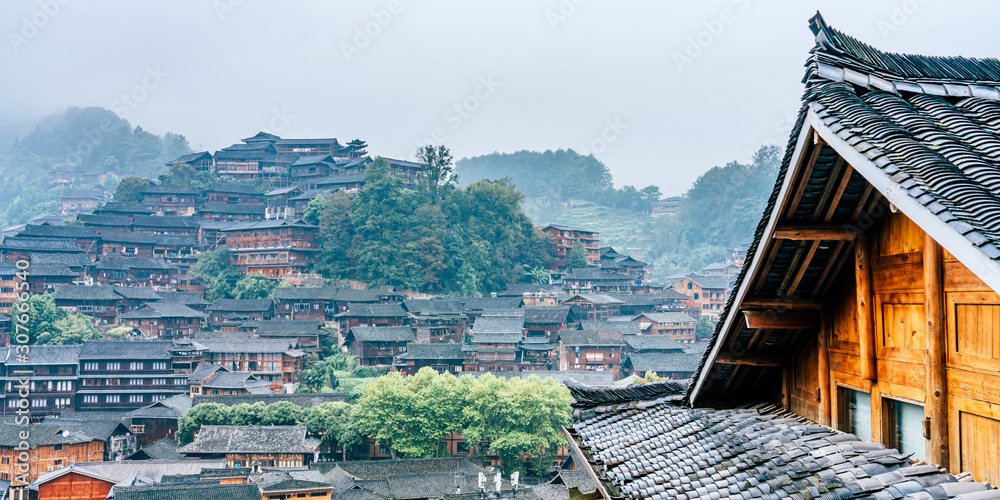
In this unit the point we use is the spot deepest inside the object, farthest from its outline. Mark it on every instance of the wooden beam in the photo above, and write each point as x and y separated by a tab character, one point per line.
728	358
936	403
814	232
780	303
825	399
866	305
786	320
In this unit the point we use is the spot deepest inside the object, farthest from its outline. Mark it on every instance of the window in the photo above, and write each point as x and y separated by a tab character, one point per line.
112	398
114	366
160	365
135	398
856	414
90	398
905	426
57	447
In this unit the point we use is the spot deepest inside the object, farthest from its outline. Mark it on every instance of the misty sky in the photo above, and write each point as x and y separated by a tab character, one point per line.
660	91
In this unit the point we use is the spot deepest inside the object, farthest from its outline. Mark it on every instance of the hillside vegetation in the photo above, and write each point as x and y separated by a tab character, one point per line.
91	139
719	212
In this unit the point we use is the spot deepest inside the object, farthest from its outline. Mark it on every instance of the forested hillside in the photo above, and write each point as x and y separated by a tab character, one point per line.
92	139
719	212
439	238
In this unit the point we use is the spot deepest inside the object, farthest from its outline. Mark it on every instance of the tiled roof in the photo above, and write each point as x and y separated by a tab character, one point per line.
659	362
162	310
230	380
497	338
373	311
432	306
66	259
247	345
545	315
232	187
251	439
711	282
203	372
596	298
305	293
120	263
432	352
47	230
47	355
289	328
81	292
124	208
204	155
305	400
267	224
476	304
211	491
635	299
670	317
295	485
104	220
383	333
136	292
920	131
232	208
519	289
596	275
51	271
657	449
653	343
132	350
39	244
164	449
168	189
118	471
188	298
137	237
590	338
242	305
625	327
383	469
485	324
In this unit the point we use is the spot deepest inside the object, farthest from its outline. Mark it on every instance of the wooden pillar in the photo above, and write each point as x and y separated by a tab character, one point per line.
866	305
936	399
825	399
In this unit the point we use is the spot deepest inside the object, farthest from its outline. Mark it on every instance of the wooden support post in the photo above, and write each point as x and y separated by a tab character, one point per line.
866	305
936	399
825	399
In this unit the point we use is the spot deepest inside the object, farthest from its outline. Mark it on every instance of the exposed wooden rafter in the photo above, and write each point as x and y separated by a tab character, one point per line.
782	320
814	232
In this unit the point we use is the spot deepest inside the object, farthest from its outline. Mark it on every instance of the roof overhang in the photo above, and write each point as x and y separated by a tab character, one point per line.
814	129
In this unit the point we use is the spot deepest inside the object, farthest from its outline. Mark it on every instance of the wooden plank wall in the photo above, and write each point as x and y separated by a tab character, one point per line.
971	314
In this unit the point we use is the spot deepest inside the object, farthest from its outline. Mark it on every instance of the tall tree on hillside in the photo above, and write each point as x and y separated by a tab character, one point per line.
576	258
215	269
254	286
437	168
130	189
335	234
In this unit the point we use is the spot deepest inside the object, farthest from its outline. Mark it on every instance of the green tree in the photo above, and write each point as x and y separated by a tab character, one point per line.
254	286
537	276
48	324
215	269
576	258
336	235
437	168
130	189
336	425
387	412
199	415
704	329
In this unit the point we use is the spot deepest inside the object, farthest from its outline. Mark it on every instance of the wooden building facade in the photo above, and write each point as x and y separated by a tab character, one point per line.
869	298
